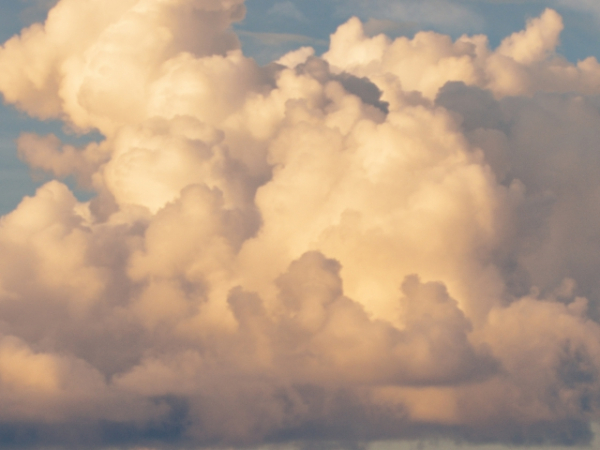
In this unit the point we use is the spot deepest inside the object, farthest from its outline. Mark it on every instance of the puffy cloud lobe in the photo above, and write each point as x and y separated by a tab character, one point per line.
524	63
119	49
542	142
395	234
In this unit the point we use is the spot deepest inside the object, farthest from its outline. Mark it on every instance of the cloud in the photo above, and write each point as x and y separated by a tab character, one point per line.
396	240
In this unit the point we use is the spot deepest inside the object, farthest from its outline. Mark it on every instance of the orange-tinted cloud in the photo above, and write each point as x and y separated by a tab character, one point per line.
393	240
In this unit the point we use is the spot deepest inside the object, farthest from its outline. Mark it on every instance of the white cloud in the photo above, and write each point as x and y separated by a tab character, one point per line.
400	234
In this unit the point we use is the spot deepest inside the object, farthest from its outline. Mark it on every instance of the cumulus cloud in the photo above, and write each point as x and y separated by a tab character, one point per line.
395	240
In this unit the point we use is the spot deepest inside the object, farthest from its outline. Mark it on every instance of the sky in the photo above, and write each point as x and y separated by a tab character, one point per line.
300	224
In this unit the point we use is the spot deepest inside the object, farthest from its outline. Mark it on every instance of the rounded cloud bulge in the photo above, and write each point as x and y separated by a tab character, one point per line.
395	240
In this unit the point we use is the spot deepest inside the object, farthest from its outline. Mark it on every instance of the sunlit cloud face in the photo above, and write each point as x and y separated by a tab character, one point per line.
395	240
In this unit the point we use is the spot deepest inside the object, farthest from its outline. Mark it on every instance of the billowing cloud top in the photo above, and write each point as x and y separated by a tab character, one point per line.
394	240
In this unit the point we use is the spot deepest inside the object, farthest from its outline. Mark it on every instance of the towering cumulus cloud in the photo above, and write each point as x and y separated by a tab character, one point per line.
396	240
